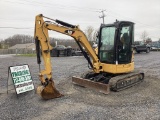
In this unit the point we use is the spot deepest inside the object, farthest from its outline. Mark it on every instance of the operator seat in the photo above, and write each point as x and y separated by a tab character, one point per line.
126	40
124	53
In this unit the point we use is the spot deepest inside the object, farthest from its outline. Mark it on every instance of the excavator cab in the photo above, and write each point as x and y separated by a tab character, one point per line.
115	55
115	41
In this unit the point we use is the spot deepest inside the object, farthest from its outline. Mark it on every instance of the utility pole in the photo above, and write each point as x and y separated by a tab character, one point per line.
103	15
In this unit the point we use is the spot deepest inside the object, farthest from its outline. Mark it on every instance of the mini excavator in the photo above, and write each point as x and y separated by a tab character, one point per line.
112	66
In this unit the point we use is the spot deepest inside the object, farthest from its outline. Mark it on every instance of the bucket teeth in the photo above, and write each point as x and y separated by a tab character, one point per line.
49	91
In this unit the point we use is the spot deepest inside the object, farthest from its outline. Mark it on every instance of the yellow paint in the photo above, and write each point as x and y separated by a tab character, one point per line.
116	69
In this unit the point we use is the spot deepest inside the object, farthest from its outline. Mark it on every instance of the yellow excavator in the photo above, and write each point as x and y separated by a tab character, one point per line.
112	68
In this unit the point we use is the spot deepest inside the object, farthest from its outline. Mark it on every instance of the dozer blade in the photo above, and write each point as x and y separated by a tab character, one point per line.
104	88
49	91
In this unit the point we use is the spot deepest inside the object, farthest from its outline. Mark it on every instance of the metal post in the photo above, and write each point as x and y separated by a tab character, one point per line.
103	15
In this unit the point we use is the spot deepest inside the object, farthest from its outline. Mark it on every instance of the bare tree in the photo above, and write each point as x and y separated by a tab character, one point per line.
144	36
18	39
148	40
95	35
1	45
89	33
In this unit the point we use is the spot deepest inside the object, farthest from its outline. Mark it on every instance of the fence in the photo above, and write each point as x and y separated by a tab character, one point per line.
17	51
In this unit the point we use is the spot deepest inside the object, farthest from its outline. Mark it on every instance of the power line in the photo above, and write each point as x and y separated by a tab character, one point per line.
135	21
49	5
6	20
77	9
72	8
149	36
81	8
16	28
21	20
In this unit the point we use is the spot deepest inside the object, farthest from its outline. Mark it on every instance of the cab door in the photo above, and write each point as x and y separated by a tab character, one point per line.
125	40
106	49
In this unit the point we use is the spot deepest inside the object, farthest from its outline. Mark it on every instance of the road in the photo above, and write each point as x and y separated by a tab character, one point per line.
140	102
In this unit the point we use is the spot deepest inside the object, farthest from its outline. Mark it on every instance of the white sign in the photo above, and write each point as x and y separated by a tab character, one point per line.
22	79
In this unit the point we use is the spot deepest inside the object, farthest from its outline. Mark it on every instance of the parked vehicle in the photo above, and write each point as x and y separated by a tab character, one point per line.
61	50
155	48
140	46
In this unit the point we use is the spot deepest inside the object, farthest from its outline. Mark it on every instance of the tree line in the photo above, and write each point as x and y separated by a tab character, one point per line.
23	39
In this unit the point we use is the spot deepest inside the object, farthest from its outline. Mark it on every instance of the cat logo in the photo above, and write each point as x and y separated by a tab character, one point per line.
70	32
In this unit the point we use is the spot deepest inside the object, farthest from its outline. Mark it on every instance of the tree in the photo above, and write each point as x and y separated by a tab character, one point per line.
89	33
0	45
95	35
144	36
18	39
148	40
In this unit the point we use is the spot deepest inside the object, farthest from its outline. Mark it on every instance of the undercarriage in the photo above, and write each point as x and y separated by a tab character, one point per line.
104	82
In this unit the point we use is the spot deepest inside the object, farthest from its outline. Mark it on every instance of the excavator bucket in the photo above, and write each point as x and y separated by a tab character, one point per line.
100	87
49	91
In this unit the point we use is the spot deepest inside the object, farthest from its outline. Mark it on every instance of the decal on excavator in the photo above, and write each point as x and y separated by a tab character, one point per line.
70	32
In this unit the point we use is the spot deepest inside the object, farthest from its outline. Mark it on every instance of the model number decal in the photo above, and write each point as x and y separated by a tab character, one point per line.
70	32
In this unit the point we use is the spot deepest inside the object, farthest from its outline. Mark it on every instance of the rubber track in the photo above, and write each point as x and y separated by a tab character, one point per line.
124	81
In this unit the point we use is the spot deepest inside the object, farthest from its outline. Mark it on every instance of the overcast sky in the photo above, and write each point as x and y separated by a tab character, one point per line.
15	14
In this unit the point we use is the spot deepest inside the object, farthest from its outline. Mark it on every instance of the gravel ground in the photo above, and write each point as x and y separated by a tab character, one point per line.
141	102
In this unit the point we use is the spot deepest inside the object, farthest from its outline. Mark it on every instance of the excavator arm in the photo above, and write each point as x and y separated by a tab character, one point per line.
41	33
43	47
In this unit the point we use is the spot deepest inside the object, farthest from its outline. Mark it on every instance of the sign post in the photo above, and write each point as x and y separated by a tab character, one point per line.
21	78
